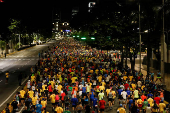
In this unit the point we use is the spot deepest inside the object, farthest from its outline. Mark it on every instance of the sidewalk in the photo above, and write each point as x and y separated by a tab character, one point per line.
11	52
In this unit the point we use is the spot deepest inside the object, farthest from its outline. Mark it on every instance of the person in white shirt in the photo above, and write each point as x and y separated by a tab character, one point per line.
124	94
80	86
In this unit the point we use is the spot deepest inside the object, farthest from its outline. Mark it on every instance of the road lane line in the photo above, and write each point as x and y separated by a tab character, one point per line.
13	93
9	96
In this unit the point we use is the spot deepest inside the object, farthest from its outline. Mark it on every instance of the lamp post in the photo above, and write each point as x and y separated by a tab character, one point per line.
19	39
139	40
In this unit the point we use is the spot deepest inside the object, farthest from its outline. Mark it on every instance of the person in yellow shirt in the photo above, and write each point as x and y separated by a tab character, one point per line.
22	94
103	83
121	109
125	77
114	96
33	78
44	103
130	78
107	91
59	88
43	86
7	77
58	109
161	106
99	78
73	79
52	97
34	100
133	86
139	103
150	101
101	88
30	93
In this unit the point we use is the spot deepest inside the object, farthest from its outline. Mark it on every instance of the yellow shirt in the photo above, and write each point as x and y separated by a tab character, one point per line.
59	110
73	79
100	78
122	110
107	91
162	106
43	87
103	83
114	94
7	75
43	103
101	88
32	78
142	87
139	101
52	97
31	93
59	88
133	86
130	77
22	93
52	84
124	77
150	101
34	99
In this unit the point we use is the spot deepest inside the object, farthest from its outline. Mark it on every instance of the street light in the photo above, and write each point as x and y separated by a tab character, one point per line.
19	40
83	38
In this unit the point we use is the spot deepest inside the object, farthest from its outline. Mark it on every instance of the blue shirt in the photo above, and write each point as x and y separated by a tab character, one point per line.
119	91
94	101
74	101
130	102
84	90
38	108
128	92
150	95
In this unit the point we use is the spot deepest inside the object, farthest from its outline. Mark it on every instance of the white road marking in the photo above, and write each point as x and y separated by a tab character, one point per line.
13	93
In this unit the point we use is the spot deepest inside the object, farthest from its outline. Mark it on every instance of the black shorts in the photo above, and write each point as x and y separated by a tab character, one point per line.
120	96
73	105
53	104
22	98
66	104
110	99
101	109
135	98
56	103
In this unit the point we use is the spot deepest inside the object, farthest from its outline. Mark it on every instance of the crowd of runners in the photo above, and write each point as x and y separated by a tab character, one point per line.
77	78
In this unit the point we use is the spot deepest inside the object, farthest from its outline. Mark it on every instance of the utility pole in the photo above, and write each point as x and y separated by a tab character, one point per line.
139	41
162	46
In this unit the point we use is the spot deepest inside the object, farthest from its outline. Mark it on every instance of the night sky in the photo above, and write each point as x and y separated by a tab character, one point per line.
37	12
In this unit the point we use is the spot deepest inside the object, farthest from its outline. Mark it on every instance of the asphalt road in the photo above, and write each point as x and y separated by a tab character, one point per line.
15	63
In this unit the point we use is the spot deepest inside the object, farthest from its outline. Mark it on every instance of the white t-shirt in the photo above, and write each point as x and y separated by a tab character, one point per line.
124	93
107	79
139	83
80	93
94	82
122	87
80	86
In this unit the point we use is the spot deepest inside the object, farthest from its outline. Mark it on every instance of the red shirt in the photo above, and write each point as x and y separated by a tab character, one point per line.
62	96
143	97
126	86
50	88
157	99
102	104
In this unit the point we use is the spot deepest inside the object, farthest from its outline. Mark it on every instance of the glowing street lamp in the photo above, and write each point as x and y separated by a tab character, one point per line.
83	38
92	38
